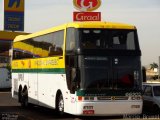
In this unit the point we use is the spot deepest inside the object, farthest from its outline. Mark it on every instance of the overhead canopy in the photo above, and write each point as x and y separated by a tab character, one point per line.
6	39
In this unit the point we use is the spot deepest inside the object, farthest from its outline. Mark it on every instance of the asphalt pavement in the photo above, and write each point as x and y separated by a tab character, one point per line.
10	109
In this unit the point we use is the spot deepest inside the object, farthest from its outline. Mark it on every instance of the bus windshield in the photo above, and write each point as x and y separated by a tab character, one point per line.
104	59
108	39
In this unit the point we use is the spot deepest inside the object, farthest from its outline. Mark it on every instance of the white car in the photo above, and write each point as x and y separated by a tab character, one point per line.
151	96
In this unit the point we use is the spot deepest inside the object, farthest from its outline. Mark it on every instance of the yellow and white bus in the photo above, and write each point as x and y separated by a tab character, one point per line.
80	68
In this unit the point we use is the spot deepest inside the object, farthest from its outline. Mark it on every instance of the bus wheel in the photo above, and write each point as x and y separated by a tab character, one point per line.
24	98
60	104
20	95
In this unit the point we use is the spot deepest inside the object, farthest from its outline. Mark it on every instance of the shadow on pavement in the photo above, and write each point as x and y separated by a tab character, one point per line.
41	113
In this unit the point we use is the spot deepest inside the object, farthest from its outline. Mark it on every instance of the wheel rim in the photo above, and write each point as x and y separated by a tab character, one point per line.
61	104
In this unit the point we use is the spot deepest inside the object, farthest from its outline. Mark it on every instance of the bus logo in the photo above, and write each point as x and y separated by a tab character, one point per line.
87	5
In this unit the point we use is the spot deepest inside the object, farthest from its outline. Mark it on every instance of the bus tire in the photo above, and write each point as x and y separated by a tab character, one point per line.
20	94
24	100
60	104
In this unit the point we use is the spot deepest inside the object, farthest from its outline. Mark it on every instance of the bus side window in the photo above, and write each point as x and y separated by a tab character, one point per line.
27	55
17	55
70	40
49	45
56	39
54	50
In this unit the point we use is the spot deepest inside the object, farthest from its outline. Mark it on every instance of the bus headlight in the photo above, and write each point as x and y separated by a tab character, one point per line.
86	98
91	98
136	97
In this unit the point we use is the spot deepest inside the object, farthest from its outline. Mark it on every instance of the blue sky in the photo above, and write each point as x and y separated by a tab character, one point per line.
145	14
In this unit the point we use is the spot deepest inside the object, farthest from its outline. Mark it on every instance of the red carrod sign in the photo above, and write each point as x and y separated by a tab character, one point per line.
87	5
86	16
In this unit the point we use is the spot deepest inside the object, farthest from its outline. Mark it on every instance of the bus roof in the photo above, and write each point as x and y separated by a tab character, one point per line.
109	25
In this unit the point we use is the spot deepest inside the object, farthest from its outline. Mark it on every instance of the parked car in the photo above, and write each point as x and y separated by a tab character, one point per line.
151	96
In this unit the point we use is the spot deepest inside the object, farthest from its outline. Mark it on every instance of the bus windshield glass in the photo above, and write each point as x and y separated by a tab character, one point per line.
104	58
108	39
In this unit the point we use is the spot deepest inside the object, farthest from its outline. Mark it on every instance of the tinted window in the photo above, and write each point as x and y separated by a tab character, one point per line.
123	40
50	44
42	46
71	39
108	39
22	50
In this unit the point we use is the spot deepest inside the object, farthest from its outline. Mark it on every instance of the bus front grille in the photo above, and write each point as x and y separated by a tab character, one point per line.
112	98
